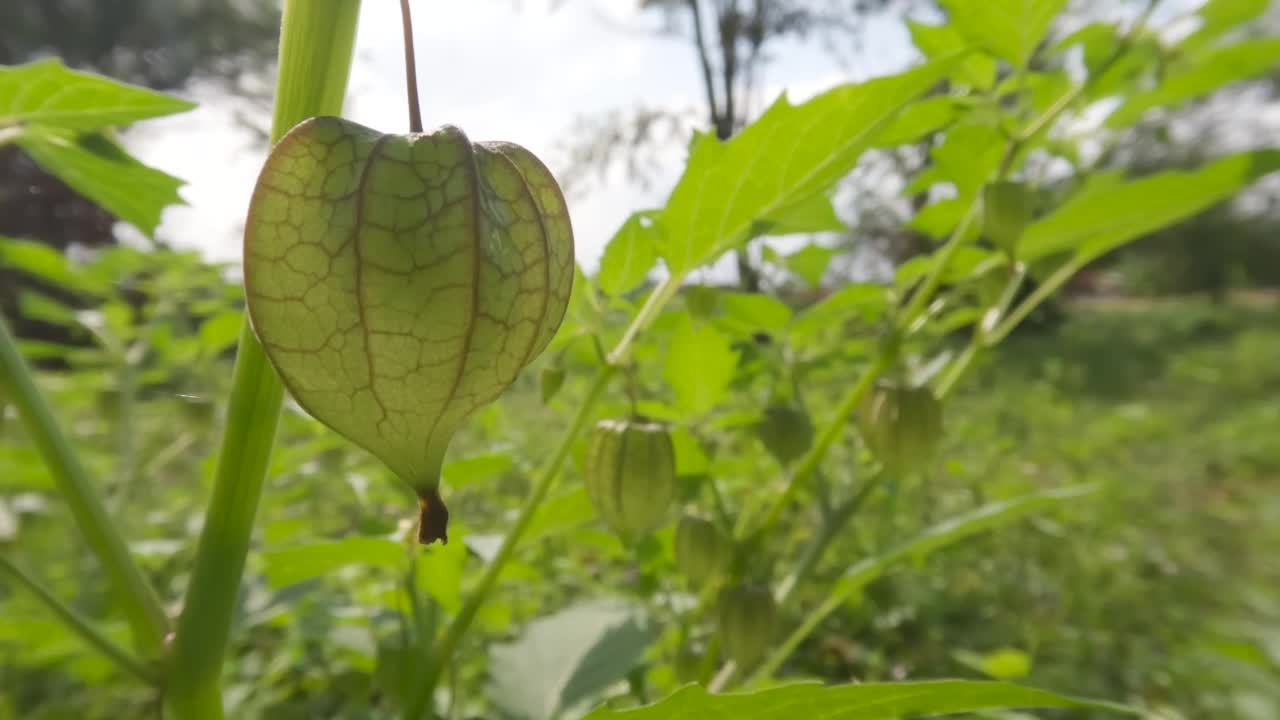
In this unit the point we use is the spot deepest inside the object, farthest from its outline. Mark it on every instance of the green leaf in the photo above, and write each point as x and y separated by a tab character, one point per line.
1002	664
864	300
560	513
465	471
919	119
566	658
967	156
936	41
1208	71
746	313
951	531
810	262
868	701
1093	223
46	92
699	365
630	254
1219	16
1009	29
812	214
221	331
788	154
43	262
304	562
103	172
691	459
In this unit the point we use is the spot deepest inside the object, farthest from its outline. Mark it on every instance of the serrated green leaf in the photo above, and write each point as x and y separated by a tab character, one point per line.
629	255
917	120
699	365
812	214
934	41
1009	29
1219	16
46	92
568	657
1093	223
103	172
869	701
790	153
1209	71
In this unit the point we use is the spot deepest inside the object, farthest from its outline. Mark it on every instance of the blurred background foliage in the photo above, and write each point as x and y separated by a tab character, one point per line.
1159	383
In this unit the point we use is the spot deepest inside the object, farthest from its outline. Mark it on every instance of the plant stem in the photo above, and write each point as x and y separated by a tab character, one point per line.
829	433
982	333
410	69
923	294
81	625
831	528
416	708
1039	295
136	596
316	42
658	299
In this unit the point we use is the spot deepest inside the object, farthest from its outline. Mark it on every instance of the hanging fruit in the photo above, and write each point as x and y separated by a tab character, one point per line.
702	551
399	282
786	432
901	425
748	616
630	474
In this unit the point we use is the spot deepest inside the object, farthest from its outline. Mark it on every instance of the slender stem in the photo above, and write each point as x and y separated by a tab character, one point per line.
982	332
923	294
316	42
135	594
1038	296
831	528
410	69
80	625
807	464
658	299
416	708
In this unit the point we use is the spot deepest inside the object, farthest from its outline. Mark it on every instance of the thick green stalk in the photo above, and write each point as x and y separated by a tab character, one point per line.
81	625
136	596
316	41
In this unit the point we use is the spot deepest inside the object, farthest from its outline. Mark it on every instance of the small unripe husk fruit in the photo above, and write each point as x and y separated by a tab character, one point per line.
630	474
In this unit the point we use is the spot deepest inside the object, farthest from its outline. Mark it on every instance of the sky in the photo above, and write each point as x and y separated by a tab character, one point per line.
500	73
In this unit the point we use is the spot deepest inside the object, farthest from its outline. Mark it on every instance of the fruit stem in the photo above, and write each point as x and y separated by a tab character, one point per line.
433	517
410	69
